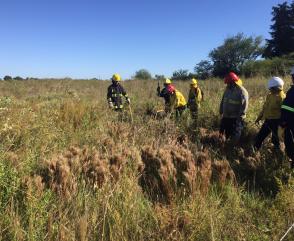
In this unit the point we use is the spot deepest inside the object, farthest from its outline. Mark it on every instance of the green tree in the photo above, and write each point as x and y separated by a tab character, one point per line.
181	74
282	31
234	53
7	77
18	78
203	69
143	74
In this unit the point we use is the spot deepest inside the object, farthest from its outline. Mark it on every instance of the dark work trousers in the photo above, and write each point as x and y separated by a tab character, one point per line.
270	126
289	142
232	128
194	116
180	111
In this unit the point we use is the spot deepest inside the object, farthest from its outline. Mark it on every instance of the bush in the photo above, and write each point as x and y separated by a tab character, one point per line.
7	77
18	78
143	74
181	74
276	66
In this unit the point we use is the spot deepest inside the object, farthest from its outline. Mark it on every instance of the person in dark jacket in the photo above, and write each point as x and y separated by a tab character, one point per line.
287	120
165	94
115	94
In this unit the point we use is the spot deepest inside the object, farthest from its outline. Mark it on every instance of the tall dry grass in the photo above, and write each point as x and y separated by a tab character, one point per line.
71	169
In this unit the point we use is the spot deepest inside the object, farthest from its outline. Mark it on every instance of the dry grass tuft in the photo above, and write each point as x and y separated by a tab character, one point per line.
172	170
63	172
223	173
212	139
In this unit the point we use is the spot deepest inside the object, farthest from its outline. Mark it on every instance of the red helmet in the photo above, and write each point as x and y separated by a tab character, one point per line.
171	89
231	78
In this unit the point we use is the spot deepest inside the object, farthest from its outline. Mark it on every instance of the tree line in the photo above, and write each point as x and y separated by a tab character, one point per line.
247	55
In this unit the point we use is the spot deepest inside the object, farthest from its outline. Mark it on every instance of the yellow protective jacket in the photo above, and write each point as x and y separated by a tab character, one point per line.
177	100
272	105
195	97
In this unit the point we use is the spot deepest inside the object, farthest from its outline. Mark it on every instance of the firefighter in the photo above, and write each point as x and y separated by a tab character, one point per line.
195	98
177	102
271	113
115	94
164	93
233	108
287	120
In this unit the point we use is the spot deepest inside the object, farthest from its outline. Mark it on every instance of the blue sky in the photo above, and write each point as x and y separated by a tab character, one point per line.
95	38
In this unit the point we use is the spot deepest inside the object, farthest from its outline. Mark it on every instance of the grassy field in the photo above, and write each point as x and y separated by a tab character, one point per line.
70	169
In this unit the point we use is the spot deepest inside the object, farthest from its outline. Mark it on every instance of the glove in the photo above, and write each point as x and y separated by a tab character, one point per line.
128	100
111	105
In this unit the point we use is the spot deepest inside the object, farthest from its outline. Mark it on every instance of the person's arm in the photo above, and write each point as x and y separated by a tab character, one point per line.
245	102
260	116
124	93
199	96
162	93
109	99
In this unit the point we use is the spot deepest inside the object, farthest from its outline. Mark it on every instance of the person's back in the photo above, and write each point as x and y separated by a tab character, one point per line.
272	105
195	96
178	100
233	108
235	102
115	92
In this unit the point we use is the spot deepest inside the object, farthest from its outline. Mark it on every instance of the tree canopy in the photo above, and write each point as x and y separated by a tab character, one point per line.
143	74
234	53
282	31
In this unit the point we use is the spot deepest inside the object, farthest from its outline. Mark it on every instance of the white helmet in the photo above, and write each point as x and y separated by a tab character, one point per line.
275	82
292	71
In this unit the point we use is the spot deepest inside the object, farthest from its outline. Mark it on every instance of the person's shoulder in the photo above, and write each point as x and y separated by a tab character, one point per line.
243	89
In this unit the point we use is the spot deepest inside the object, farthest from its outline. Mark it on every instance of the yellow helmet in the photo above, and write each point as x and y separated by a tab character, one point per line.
168	81
116	77
194	81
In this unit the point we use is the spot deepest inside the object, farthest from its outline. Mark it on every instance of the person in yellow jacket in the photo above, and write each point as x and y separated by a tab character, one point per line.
271	113
195	98
177	101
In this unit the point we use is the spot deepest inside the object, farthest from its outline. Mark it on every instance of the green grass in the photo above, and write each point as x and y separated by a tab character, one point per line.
41	119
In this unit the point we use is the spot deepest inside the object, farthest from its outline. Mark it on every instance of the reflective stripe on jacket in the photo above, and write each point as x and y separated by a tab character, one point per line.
287	108
272	105
234	103
115	93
